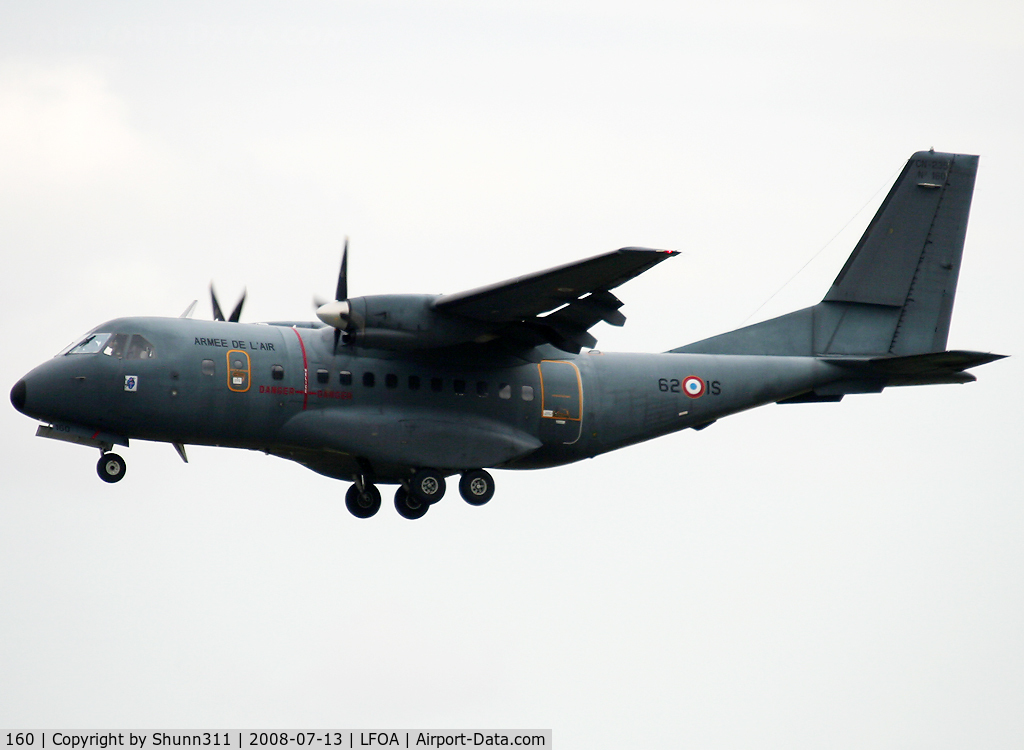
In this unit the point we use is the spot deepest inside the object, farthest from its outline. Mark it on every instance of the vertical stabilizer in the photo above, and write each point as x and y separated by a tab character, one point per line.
909	256
895	294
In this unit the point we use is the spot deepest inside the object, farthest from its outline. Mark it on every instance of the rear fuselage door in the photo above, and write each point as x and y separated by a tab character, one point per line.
561	402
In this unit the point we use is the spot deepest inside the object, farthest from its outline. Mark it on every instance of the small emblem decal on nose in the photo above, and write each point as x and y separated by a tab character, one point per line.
131	383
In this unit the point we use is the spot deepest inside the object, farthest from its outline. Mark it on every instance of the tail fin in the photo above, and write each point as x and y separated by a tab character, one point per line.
894	296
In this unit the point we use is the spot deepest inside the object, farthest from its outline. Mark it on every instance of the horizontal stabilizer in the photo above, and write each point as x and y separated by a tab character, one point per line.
873	374
918	369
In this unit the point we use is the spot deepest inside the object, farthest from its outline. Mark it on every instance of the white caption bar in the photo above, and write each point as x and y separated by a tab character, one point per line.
278	739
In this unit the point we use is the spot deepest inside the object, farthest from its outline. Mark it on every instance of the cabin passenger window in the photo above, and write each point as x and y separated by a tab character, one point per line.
345	377
368	379
322	376
139	348
208	367
527	393
481	388
505	391
436	385
115	347
391	380
91	344
414	382
277	372
459	386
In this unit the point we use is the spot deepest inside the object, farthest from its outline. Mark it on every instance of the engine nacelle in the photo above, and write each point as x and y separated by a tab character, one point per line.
399	322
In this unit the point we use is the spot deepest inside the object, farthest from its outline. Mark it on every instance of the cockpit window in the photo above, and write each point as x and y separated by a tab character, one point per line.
120	345
115	347
91	344
139	348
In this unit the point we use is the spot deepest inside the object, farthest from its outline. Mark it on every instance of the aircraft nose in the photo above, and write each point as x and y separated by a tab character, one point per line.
18	395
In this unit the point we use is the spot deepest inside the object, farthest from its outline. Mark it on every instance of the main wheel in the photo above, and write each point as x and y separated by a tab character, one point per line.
427	485
111	467
476	487
362	504
408	506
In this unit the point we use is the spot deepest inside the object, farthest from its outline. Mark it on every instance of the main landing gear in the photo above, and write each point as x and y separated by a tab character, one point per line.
414	496
362	499
476	487
408	505
111	467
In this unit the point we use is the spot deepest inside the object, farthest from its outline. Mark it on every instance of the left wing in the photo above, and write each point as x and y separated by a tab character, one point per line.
578	293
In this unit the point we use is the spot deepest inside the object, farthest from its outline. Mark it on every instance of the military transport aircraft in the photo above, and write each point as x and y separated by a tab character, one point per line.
411	389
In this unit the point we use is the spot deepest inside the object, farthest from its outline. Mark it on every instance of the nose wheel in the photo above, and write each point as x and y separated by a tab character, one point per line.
111	468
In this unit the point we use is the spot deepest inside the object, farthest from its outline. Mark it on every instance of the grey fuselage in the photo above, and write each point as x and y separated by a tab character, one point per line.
281	389
431	386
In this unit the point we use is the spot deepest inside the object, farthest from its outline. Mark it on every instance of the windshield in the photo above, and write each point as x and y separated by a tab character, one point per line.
117	345
91	344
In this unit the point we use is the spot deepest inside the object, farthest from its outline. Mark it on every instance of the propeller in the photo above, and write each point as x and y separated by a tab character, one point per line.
219	315
338	313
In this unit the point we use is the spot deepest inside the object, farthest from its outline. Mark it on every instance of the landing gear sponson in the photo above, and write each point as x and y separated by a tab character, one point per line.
414	496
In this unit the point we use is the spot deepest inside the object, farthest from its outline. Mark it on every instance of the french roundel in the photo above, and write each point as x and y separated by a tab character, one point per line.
693	387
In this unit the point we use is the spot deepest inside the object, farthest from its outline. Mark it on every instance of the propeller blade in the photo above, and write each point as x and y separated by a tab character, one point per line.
217	314
342	291
237	312
337	338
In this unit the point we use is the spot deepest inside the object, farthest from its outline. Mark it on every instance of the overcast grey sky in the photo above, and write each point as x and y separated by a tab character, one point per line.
846	575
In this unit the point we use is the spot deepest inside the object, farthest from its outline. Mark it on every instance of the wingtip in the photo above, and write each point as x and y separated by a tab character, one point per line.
647	250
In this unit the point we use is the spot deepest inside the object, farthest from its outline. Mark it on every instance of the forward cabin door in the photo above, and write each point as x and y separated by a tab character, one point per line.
561	402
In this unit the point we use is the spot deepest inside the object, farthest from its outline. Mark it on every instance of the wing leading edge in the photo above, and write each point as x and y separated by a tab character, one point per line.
559	305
